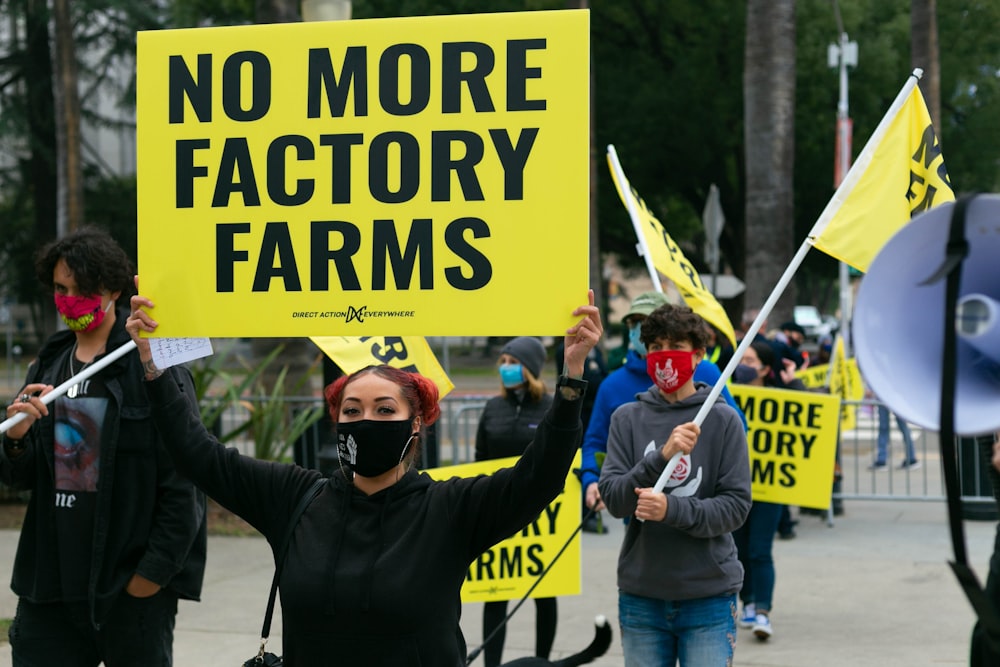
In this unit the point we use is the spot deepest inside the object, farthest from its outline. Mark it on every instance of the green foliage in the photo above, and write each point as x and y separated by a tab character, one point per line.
112	202
211	373
668	91
274	424
194	13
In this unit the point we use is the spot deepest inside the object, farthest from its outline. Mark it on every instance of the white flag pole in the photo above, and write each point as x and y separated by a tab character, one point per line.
630	204
765	310
831	208
73	381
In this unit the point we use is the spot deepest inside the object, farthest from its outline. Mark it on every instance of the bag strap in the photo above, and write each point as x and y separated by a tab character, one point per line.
307	498
950	271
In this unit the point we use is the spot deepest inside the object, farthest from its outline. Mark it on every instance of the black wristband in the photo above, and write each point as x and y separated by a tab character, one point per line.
571	388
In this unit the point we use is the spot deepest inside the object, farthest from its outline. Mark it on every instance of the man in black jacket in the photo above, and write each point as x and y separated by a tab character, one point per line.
113	536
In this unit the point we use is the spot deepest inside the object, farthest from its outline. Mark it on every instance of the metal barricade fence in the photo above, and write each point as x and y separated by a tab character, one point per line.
861	480
454	439
454	433
858	451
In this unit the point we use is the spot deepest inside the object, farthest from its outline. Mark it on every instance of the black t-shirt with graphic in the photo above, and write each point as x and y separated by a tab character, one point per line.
79	423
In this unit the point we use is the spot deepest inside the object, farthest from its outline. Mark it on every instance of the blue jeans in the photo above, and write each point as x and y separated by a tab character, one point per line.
883	435
658	633
754	542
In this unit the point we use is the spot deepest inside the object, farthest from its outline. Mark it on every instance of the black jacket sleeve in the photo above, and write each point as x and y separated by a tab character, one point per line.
490	508
261	492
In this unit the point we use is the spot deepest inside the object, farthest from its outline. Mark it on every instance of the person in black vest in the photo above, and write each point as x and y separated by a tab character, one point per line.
506	427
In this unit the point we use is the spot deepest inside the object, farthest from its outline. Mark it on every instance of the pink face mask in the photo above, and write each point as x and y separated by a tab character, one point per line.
670	369
81	313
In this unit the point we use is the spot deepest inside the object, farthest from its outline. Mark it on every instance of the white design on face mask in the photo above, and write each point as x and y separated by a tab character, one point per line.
352	449
666	376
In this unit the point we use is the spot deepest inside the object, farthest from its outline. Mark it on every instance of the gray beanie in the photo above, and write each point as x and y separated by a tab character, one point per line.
529	351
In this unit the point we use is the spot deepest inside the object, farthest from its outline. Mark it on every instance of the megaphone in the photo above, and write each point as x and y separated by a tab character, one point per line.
899	320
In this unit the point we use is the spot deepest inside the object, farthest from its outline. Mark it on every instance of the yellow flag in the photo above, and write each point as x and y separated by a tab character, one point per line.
846	382
668	259
410	353
900	173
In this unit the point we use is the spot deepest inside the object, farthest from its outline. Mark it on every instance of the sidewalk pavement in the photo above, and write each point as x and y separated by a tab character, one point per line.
872	590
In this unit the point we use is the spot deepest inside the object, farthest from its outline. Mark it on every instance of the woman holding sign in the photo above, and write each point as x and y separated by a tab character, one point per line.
506	428
375	565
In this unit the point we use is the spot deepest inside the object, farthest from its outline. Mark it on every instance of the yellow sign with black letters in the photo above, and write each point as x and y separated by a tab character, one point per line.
510	568
814	377
365	177
793	443
410	353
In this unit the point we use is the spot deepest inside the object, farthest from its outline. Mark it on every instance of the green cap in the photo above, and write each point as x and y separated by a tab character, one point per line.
646	303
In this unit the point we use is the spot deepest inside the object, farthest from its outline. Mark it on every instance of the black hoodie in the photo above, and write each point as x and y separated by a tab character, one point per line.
373	580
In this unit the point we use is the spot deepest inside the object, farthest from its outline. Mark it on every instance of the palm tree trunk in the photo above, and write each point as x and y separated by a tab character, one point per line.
277	11
924	54
769	128
67	105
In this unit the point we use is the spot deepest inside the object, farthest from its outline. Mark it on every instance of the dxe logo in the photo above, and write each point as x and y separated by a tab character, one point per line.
356	313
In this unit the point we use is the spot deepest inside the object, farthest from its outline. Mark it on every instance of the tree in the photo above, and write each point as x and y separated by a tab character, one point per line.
67	105
277	11
769	127
924	54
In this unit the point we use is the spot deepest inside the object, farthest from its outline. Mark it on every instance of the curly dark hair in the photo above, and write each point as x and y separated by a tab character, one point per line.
96	260
675	324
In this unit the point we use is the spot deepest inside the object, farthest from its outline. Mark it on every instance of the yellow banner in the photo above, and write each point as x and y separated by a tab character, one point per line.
898	175
670	261
814	377
510	568
793	444
410	353
846	383
409	176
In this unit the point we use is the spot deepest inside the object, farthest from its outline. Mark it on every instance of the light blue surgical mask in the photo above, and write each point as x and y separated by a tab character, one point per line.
511	375
634	341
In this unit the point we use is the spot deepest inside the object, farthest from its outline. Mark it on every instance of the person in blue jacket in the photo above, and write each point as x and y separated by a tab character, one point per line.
622	386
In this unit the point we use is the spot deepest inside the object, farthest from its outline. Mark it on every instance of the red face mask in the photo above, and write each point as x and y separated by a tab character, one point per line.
81	313
670	369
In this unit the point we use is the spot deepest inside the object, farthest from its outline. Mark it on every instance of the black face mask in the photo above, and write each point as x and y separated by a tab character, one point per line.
371	447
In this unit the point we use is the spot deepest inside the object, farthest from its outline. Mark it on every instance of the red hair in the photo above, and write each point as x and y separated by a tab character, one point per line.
419	392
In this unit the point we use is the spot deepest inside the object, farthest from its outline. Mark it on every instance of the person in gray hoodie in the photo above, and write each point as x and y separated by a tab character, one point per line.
678	571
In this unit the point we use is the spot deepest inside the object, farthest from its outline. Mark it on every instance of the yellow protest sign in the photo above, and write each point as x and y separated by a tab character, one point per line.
846	382
667	257
793	444
365	177
510	568
814	377
410	353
